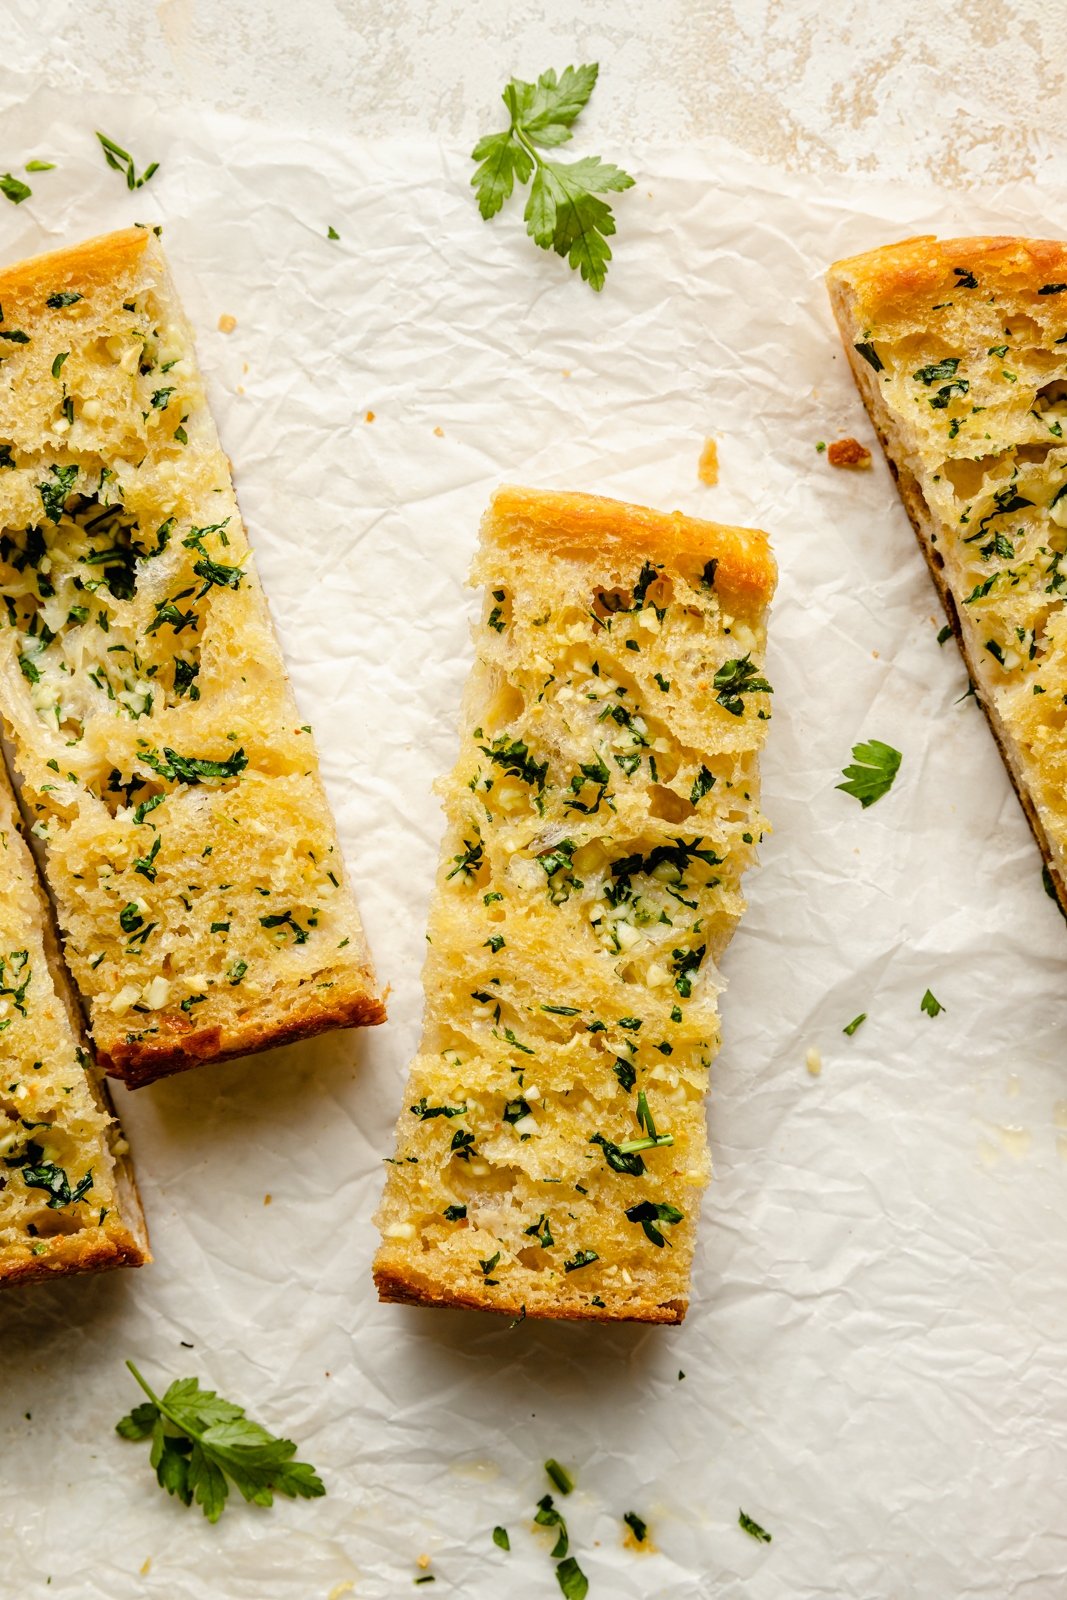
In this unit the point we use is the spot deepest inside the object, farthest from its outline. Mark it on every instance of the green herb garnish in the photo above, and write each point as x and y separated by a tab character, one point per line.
930	1004
753	1528
871	775
200	1441
120	160
563	212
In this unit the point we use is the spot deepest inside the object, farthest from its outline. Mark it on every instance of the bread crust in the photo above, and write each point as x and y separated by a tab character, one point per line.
406	1289
594	525
92	262
896	280
145	1061
73	1256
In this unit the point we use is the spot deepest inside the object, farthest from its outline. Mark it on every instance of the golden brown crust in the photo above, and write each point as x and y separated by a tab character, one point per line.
594	526
893	279
70	1256
143	1061
404	1289
93	261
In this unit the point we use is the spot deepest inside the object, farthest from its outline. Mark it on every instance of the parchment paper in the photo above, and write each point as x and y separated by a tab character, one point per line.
874	1357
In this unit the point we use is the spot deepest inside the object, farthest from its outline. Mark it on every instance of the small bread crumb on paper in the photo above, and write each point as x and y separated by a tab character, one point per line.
339	1590
146	1566
813	1062
708	467
227	323
267	1199
423	1563
369	417
848	453
439	432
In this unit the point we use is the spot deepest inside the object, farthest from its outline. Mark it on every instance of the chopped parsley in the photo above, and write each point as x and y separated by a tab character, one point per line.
752	1528
580	1258
857	1022
637	1526
866	349
736	678
930	1004
500	1538
120	160
650	1213
872	771
63	297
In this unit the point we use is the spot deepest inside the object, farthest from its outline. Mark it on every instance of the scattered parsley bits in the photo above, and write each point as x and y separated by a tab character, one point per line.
872	772
202	1443
930	1004
120	160
573	1583
637	1526
753	1528
866	349
40	166
559	1476
332	233
703	784
563	212
944	633
736	678
63	297
14	188
580	1258
857	1022
500	1538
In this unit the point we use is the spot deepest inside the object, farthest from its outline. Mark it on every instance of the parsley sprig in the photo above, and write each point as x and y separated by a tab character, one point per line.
563	211
200	1441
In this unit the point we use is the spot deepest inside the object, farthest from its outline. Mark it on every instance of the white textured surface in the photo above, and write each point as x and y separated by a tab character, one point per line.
902	88
873	1357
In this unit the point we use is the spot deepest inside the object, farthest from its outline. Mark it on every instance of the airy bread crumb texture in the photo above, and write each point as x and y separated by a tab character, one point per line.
552	1148
959	348
67	1199
165	769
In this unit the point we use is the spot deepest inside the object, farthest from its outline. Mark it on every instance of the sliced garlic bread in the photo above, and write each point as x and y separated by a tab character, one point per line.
165	769
552	1147
67	1197
959	349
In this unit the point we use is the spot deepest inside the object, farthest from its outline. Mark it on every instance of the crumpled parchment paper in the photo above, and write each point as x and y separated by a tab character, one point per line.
873	1357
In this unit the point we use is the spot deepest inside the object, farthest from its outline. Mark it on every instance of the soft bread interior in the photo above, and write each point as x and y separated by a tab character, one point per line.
552	1148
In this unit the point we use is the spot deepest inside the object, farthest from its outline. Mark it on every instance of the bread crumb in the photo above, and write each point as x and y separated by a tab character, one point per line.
439	432
339	1590
422	1563
266	1199
813	1062
369	417
708	468
848	453
566	372
146	1566
227	323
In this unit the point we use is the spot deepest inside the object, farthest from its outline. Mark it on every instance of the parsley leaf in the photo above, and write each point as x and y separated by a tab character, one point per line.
200	1441
649	1213
14	188
564	211
572	1581
500	1538
857	1022
735	678
930	1004
753	1528
121	161
637	1526
875	765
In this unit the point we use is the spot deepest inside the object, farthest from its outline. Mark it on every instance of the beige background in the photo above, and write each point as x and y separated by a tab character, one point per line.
964	91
